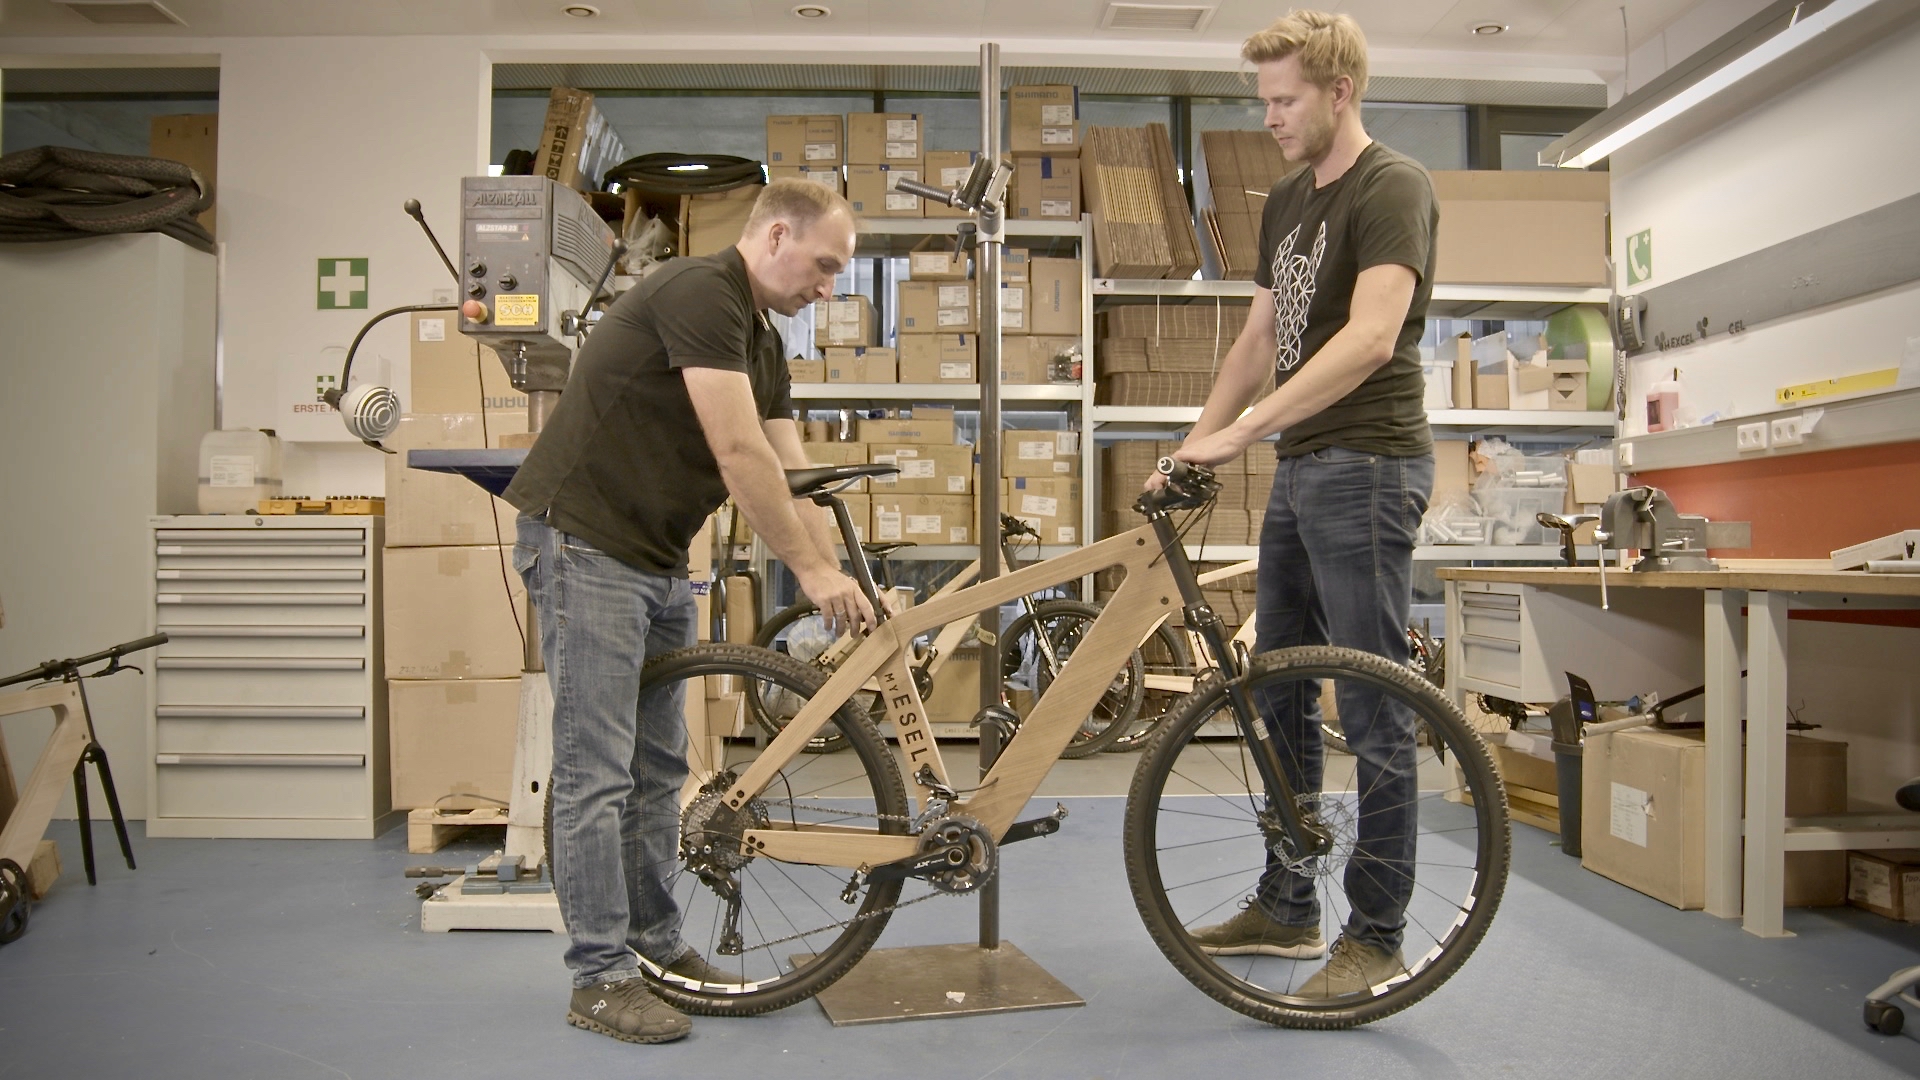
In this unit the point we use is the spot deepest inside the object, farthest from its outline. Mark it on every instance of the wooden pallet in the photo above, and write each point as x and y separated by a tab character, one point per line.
429	830
350	506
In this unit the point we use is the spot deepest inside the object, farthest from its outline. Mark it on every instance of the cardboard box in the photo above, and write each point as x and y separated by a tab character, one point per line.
939	358
426	509
449	614
885	139
844	320
193	141
1046	189
829	178
942	307
713	223
807	371
927	427
1452	471
1029	361
1591	483
1463	372
1545	227
863	364
577	145
1052	505
445	377
452	737
1885	883
1057	284
1490	388
924	470
840	453
1016	265
812	142
1643	814
1568	391
923	519
935	260
870	188
948	169
1044	120
1016	307
1040	453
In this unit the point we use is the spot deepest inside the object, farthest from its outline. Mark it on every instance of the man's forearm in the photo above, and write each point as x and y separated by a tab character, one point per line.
754	477
1240	377
1342	364
820	525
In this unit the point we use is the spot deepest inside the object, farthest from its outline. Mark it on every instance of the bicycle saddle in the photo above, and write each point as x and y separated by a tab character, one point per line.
881	551
829	479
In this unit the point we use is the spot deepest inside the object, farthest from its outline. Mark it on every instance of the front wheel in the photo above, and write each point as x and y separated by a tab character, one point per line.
1026	665
1416	817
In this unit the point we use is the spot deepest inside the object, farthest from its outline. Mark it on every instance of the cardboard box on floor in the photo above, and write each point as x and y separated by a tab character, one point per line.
812	142
1886	883
1643	814
1052	505
885	139
864	364
1545	227
939	358
923	519
924	470
426	509
446	378
452	737
450	613
1039	453
1044	120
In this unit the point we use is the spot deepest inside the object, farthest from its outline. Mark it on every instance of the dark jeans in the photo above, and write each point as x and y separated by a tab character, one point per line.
619	759
1336	567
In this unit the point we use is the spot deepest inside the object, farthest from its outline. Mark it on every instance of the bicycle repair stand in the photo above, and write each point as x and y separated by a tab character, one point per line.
69	749
994	976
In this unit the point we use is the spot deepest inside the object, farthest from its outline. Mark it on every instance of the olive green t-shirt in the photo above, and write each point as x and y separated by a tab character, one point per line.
1313	244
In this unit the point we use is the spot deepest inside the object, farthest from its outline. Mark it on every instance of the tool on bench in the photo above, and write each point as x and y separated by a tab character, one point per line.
1896	553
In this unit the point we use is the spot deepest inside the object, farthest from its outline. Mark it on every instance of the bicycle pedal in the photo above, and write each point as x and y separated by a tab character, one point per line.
1041	826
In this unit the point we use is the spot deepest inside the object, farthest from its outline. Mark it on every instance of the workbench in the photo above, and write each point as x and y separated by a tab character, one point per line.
1542	598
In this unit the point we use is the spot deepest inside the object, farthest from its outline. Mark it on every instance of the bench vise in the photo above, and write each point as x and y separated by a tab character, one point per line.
1644	519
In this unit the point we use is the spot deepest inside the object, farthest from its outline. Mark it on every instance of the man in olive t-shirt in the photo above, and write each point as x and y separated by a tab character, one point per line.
1346	244
679	398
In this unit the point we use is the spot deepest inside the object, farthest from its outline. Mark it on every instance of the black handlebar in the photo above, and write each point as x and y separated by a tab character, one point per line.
55	668
926	191
1188	485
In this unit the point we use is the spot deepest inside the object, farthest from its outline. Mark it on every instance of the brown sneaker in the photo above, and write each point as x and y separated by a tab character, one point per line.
628	1011
1352	967
1252	933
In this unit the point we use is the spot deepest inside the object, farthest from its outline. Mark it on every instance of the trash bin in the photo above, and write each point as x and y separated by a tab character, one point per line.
1566	765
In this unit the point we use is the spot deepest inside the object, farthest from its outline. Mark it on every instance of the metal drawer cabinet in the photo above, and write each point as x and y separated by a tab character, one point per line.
266	711
1518	641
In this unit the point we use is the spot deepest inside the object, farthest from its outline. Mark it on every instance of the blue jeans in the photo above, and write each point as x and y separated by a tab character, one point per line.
619	759
1336	567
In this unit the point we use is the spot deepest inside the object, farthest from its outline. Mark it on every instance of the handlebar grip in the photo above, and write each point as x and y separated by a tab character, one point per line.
925	191
141	645
1183	472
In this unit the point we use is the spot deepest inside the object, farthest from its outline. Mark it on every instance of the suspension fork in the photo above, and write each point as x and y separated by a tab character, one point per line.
1303	835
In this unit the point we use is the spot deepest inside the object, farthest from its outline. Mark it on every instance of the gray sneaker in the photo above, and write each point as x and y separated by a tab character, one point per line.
1252	933
1353	967
628	1011
693	967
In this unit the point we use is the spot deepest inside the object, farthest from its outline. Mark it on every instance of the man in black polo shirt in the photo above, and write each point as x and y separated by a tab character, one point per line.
679	398
1346	270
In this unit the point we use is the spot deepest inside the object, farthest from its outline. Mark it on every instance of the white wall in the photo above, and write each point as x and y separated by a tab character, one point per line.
1835	146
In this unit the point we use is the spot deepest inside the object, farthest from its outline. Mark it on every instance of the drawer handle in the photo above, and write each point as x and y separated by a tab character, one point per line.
240	599
243	630
1490	643
263	536
1503	614
1489	600
260	712
261	549
261	575
331	761
261	663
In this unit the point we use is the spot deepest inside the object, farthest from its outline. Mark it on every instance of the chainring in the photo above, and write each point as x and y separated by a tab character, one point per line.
972	854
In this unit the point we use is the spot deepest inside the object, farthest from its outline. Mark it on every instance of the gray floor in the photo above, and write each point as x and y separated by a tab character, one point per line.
297	959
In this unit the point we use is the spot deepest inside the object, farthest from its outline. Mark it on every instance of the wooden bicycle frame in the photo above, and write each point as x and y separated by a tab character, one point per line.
1147	596
1183	684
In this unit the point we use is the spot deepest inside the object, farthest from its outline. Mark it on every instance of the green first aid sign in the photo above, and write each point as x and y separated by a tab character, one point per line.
343	284
1639	256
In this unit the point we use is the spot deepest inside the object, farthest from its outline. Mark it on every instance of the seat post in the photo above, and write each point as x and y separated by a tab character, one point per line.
856	556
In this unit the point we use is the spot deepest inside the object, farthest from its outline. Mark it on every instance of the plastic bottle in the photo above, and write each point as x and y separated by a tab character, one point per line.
1663	404
237	470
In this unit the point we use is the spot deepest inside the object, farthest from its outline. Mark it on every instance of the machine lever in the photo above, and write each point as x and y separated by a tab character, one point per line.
614	256
412	207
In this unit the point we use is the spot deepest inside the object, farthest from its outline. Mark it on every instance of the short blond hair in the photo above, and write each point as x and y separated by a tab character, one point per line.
1328	46
797	202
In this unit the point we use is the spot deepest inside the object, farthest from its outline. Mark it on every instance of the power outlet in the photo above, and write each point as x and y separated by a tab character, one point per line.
1623	453
1786	432
1750	437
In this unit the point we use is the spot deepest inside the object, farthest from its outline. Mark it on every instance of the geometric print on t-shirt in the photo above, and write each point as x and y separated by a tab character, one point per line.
1293	285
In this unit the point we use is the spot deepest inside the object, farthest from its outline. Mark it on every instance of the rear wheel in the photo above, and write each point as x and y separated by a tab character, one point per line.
800	632
1199	838
781	931
1025	665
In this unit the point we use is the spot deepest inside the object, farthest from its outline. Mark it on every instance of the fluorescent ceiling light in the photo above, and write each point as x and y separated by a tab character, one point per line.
1630	120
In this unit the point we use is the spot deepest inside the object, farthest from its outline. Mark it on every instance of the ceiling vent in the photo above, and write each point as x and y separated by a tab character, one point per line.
1159	18
123	12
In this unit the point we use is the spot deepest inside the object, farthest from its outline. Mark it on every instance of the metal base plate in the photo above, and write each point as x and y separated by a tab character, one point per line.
940	981
451	909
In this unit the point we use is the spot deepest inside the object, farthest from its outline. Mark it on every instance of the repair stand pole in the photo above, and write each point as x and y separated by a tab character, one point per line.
991	236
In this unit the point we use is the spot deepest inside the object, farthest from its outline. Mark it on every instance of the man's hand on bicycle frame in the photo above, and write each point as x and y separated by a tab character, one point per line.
1209	450
839	599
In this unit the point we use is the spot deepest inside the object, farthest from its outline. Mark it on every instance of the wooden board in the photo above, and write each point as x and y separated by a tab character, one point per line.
1728	577
429	830
351	506
44	870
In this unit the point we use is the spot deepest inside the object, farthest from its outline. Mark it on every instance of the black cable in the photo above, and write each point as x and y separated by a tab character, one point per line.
59	193
333	396
500	544
686	174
